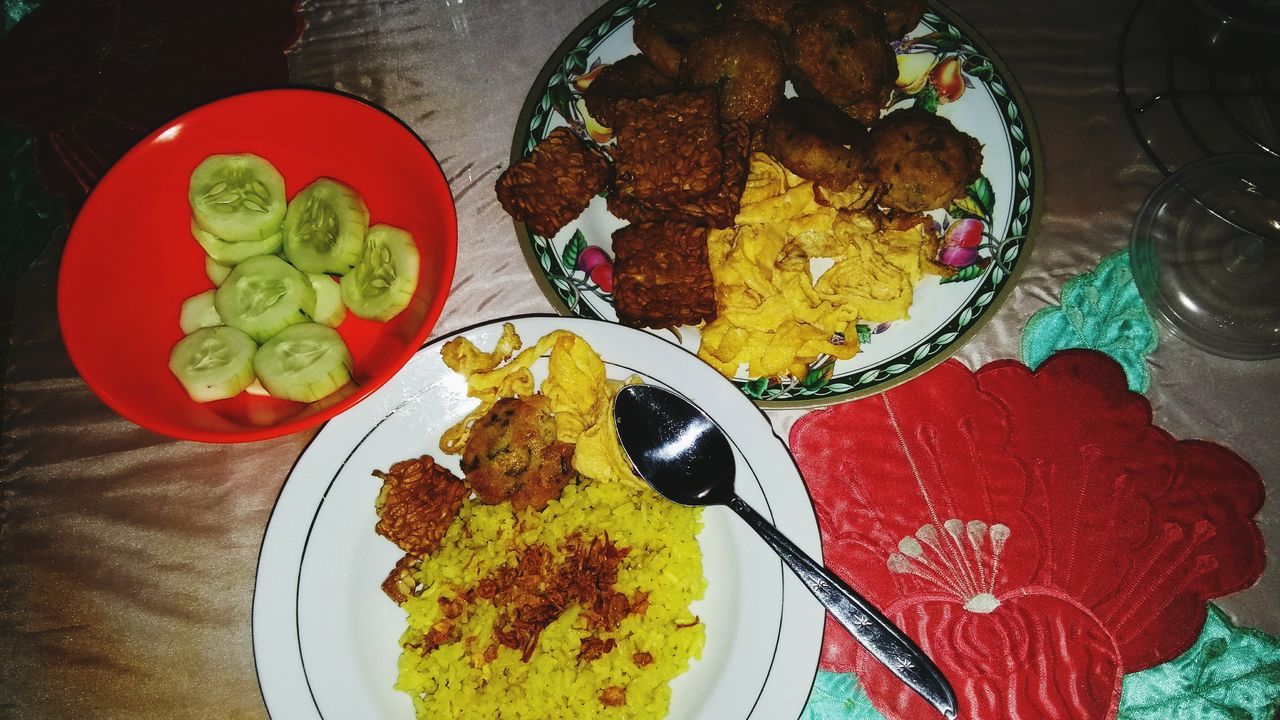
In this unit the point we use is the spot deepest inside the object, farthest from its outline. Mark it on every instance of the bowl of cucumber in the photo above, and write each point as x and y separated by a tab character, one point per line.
257	265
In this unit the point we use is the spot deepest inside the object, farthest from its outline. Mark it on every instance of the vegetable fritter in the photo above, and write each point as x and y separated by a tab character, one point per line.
818	142
838	51
900	16
631	77
923	161
664	30
744	64
513	454
769	14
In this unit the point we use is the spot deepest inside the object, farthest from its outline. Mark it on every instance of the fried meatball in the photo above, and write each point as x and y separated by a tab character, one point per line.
512	454
768	14
664	30
744	65
716	209
923	161
662	277
818	142
668	147
838	51
417	503
555	183
631	77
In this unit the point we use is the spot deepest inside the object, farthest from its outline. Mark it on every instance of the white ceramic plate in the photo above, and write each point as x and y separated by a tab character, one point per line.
944	314
326	639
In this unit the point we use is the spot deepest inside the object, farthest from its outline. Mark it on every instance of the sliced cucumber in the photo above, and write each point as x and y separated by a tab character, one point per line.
233	253
213	363
264	295
383	282
304	363
324	227
329	308
238	197
215	271
198	312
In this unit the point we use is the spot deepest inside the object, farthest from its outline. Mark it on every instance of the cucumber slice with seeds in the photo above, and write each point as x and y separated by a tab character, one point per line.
304	363
198	312
233	253
383	282
238	198
213	363
264	295
329	308
324	228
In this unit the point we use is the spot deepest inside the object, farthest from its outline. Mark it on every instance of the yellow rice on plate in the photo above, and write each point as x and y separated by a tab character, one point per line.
664	564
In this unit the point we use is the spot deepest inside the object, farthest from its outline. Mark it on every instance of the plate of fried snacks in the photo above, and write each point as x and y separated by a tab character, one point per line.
819	198
470	542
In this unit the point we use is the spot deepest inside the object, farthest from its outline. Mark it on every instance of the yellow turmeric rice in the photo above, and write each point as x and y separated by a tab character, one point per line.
663	564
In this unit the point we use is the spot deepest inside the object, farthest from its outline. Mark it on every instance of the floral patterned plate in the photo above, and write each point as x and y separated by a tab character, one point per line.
945	68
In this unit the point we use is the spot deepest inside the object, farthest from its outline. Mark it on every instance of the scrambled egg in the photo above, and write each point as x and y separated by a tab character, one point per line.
579	395
773	316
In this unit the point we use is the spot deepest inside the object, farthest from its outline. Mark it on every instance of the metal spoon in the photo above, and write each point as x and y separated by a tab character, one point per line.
686	458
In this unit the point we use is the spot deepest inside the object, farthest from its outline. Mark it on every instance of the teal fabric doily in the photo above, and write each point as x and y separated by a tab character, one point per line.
1230	673
1099	310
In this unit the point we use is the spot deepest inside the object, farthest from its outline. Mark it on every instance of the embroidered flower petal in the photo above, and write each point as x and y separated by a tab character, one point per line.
1041	506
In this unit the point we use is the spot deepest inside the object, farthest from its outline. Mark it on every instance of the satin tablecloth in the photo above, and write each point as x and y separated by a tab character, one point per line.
127	559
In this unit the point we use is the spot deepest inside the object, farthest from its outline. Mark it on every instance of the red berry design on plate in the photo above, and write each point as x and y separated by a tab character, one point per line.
590	258
602	275
960	243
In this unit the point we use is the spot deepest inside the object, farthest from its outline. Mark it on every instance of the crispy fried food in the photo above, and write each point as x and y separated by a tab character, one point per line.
866	111
631	77
819	142
716	209
668	147
838	51
417	503
664	30
661	275
533	592
744	64
555	183
922	160
512	454
769	14
900	16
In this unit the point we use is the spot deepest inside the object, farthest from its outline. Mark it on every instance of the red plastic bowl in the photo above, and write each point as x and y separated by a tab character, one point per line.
130	260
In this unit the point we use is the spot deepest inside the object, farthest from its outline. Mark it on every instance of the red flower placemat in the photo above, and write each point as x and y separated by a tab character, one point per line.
1032	531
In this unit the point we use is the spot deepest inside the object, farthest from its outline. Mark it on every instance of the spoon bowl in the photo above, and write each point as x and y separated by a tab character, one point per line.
685	457
681	455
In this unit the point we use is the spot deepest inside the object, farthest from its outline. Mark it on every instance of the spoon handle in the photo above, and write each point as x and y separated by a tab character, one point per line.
872	629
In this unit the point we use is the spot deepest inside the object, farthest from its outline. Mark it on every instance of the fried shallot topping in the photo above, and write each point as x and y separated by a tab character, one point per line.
593	648
613	696
534	591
